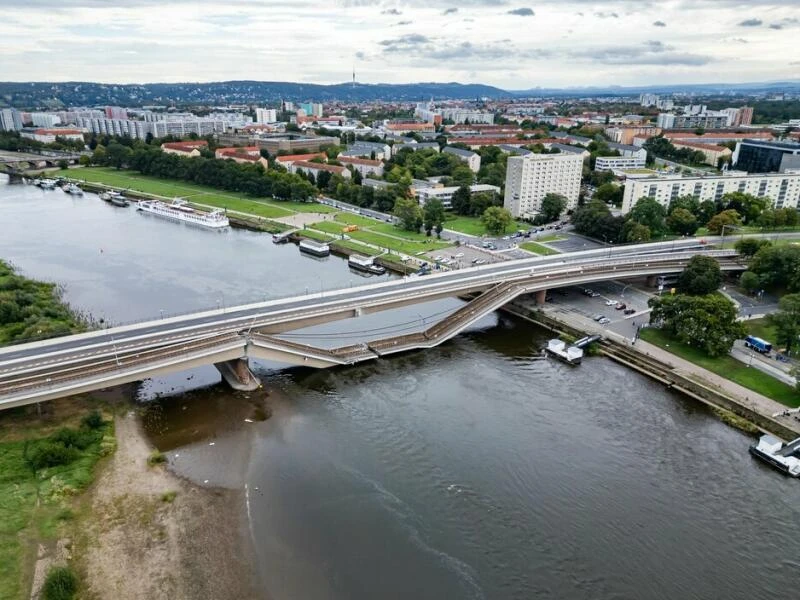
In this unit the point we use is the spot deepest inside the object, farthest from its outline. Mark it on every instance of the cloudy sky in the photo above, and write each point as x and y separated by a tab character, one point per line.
508	43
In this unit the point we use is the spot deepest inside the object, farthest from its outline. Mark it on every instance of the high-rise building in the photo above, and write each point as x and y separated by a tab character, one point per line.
116	112
531	177
266	115
782	189
46	120
10	120
312	109
745	115
755	156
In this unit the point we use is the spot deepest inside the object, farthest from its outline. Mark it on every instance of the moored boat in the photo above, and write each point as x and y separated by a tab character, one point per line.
73	190
179	210
365	264
572	355
314	248
784	457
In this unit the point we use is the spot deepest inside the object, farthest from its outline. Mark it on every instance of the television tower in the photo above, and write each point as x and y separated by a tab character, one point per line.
354	76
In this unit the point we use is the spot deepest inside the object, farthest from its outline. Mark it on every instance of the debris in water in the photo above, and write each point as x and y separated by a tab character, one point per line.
248	420
211	443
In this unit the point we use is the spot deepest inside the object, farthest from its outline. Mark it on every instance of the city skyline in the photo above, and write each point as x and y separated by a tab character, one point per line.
511	45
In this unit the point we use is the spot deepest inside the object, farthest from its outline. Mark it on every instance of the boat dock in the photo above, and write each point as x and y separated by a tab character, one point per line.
282	238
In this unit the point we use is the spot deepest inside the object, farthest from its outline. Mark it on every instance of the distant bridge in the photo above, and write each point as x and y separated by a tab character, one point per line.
15	163
227	338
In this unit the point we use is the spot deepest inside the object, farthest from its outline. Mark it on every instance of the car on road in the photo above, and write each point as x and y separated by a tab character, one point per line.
597	317
604	321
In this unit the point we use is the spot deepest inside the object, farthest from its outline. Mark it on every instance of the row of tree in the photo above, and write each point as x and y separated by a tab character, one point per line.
649	219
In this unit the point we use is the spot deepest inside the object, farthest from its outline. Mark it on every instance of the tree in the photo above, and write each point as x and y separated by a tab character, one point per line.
690	203
635	232
748	206
749	246
682	222
432	215
552	206
749	281
609	193
723	219
460	201
409	213
705	212
778	267
786	321
649	212
595	220
63	165
117	155
708	322
496	219
701	276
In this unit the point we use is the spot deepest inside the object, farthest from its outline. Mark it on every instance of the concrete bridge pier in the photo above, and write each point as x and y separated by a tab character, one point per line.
541	297
651	281
238	375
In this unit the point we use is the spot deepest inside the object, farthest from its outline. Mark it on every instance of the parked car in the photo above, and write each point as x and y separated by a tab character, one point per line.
630	311
598	317
595	294
610	302
604	321
587	292
620	306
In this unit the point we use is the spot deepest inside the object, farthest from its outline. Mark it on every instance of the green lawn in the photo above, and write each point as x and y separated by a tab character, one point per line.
538	249
553	237
474	226
727	367
395	231
404	246
348	218
193	192
760	328
329	227
35	503
316	235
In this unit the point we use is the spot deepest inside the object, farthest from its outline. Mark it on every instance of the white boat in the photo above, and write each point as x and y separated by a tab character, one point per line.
365	263
314	248
784	457
180	211
74	190
571	355
47	184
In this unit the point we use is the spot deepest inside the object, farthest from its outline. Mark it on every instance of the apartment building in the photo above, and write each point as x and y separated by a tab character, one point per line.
48	136
782	189
317	168
10	120
712	152
363	165
445	194
530	178
473	159
243	154
266	115
189	149
615	163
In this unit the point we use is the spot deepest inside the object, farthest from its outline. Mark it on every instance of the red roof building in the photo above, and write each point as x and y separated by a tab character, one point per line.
188	148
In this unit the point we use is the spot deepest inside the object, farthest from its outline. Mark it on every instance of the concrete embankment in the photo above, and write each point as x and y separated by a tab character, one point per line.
693	385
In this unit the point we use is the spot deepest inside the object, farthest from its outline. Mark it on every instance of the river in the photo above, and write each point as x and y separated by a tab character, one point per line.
474	470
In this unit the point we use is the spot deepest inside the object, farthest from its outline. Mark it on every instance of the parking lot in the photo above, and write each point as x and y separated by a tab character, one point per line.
462	257
608	294
573	243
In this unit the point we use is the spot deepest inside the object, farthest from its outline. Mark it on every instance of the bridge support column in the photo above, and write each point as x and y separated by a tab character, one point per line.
651	281
238	375
541	296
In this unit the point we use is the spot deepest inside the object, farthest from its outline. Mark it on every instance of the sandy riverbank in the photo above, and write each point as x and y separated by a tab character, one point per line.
140	545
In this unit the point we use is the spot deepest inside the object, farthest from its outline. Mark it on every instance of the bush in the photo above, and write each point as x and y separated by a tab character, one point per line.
75	438
94	420
156	458
169	496
51	454
61	583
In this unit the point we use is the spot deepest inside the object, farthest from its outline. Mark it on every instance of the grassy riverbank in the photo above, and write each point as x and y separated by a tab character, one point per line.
32	310
727	367
45	464
262	207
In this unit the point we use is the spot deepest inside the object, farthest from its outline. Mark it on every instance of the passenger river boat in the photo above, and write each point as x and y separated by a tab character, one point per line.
365	264
179	210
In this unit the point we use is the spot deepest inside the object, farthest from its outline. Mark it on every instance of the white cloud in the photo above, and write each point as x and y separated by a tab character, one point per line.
301	40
